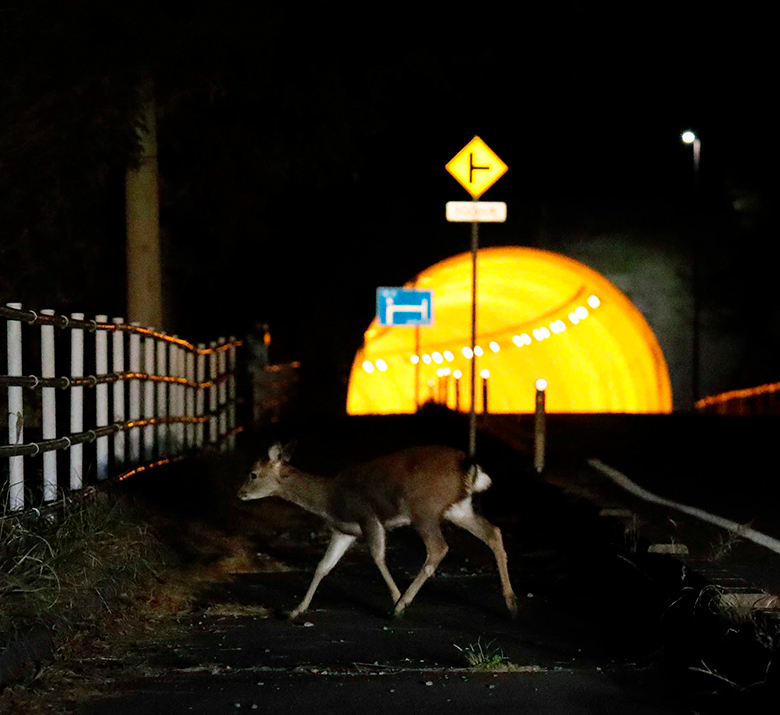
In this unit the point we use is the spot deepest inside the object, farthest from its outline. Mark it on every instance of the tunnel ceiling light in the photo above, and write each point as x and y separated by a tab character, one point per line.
443	372
381	365
485	374
581	312
573	317
517	340
448	356
415	359
457	374
478	351
437	358
557	326
426	359
494	346
368	366
467	353
594	301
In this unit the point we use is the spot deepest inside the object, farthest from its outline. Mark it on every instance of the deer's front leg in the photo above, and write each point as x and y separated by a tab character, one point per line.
339	543
375	536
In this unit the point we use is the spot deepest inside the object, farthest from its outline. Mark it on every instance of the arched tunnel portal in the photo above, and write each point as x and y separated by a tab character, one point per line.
539	315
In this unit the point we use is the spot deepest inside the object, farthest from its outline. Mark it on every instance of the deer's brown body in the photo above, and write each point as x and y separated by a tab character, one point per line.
418	486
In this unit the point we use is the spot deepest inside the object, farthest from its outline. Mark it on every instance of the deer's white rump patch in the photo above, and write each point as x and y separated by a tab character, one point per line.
482	482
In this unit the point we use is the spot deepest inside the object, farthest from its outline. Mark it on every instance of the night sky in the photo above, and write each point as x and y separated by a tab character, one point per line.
302	153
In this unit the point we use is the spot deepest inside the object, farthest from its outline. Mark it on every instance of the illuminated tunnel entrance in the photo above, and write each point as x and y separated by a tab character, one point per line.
539	315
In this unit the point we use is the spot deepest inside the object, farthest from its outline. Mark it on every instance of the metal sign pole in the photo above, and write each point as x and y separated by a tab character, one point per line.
476	168
473	413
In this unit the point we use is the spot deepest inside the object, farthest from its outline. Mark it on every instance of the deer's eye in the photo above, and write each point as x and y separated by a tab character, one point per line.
253	476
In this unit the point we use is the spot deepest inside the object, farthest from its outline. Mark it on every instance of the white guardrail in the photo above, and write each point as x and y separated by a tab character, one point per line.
162	404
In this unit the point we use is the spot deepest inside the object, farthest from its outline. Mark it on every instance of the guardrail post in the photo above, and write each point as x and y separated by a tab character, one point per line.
213	424
134	395
190	397
118	358
15	413
162	401
232	392
222	371
101	396
49	410
76	403
200	395
149	398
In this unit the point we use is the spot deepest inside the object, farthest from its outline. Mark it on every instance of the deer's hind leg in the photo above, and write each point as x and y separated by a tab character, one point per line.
339	543
462	514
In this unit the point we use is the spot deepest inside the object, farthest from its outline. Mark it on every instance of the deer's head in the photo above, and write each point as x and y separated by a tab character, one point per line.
266	476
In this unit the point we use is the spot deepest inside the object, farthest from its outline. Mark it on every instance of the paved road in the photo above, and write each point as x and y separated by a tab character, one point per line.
590	639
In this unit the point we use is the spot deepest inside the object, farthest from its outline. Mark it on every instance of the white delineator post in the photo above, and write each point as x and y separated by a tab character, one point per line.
76	403
173	397
134	394
222	370
15	413
190	398
101	396
232	392
213	425
162	402
540	425
118	360
49	410
200	395
181	391
149	398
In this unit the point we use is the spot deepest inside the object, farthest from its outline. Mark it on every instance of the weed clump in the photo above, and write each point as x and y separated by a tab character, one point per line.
485	657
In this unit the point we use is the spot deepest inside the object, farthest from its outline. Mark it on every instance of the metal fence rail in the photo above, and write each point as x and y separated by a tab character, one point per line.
157	401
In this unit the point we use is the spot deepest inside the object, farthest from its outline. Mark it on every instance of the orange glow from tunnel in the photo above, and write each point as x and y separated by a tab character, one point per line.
590	343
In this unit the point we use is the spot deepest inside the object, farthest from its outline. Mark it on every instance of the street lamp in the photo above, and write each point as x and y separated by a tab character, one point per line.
689	137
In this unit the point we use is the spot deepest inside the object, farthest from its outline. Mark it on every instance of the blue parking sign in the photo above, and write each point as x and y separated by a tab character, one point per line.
404	306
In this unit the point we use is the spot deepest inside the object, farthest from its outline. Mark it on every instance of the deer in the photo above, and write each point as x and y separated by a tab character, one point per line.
419	486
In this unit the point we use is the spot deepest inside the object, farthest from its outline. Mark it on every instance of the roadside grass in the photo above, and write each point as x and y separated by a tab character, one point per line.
88	569
71	564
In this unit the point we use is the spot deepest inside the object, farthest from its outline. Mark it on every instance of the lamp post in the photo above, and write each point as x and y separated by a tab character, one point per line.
689	137
485	375
540	425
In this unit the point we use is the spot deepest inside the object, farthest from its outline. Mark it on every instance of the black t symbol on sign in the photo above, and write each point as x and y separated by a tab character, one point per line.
473	168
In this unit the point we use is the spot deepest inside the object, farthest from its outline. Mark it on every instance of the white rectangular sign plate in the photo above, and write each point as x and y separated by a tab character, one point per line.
479	211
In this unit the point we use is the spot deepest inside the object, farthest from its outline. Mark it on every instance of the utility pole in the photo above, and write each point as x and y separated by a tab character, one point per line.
144	274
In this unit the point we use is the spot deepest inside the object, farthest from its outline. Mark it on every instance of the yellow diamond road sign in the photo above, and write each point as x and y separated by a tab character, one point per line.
476	167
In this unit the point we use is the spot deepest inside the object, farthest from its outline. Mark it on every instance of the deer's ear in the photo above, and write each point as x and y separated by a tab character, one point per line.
275	452
287	450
